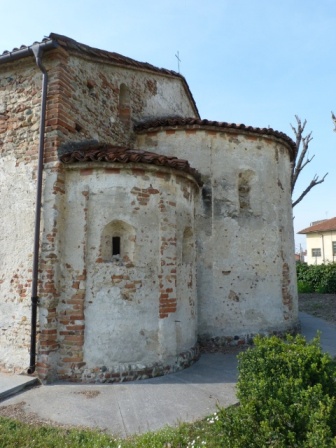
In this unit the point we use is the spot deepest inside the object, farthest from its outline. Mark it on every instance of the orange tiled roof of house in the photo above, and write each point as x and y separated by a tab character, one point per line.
324	226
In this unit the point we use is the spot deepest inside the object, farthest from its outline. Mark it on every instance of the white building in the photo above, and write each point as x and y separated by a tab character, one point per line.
321	241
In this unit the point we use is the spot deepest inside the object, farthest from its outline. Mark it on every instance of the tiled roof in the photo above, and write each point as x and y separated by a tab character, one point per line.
24	47
199	123
117	154
325	226
117	59
70	44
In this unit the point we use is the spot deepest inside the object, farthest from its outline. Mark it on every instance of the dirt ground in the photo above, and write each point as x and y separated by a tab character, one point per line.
319	305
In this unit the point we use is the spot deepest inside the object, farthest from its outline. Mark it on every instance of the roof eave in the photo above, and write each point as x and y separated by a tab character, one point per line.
23	52
188	123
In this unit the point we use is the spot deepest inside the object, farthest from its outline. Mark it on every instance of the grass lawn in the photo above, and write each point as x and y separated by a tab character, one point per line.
287	393
14	434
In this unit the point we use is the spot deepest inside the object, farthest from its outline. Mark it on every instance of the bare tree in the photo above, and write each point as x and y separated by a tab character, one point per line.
301	159
333	119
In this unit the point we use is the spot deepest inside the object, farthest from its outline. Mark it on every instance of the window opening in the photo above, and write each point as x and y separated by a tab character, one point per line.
334	248
316	252
115	245
117	241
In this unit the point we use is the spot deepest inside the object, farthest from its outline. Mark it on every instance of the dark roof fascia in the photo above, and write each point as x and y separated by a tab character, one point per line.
190	123
25	51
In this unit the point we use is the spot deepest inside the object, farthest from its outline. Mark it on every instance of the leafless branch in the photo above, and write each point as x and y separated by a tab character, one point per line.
334	120
312	184
301	157
301	162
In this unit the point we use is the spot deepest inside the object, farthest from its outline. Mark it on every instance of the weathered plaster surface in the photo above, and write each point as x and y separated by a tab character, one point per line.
19	115
213	264
88	103
134	309
83	103
246	273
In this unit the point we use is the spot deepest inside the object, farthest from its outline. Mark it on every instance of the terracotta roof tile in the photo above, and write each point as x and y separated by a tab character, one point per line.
117	154
325	226
73	45
199	123
24	47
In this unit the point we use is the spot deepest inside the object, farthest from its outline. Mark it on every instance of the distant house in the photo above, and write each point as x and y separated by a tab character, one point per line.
301	256
321	241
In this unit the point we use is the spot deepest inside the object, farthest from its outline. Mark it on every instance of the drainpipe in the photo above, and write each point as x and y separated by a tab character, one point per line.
36	50
323	248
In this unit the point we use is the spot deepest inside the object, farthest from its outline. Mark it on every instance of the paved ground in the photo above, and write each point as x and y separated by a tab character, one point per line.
310	325
127	408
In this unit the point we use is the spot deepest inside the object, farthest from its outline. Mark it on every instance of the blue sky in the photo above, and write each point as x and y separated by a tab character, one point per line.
257	62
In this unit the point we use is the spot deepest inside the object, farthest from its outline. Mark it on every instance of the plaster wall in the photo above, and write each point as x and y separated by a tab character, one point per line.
139	310
322	241
16	230
83	103
95	100
242	221
246	272
19	121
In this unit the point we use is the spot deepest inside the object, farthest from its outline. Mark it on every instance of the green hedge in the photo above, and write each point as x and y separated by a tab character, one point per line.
320	278
287	396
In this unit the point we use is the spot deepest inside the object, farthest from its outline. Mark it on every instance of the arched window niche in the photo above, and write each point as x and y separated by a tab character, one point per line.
117	242
187	246
124	106
244	189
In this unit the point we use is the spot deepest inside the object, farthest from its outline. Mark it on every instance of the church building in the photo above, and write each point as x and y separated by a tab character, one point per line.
133	232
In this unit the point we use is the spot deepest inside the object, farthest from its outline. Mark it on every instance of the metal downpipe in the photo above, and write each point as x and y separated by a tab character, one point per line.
37	50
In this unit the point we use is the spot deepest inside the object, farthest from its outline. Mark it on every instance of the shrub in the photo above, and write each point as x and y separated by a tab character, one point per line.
287	396
304	287
319	278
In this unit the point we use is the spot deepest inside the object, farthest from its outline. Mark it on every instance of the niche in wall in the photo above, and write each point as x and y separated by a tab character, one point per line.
187	246
124	106
244	189
118	241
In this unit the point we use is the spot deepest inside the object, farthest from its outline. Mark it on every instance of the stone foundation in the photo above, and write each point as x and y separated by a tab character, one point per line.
132	372
220	343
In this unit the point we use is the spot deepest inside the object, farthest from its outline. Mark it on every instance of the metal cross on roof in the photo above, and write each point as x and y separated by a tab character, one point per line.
178	61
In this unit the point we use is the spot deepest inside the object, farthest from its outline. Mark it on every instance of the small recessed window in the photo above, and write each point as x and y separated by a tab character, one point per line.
316	252
115	245
117	241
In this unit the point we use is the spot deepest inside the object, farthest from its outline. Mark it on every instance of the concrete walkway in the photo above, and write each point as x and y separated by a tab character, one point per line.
12	384
310	325
128	408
